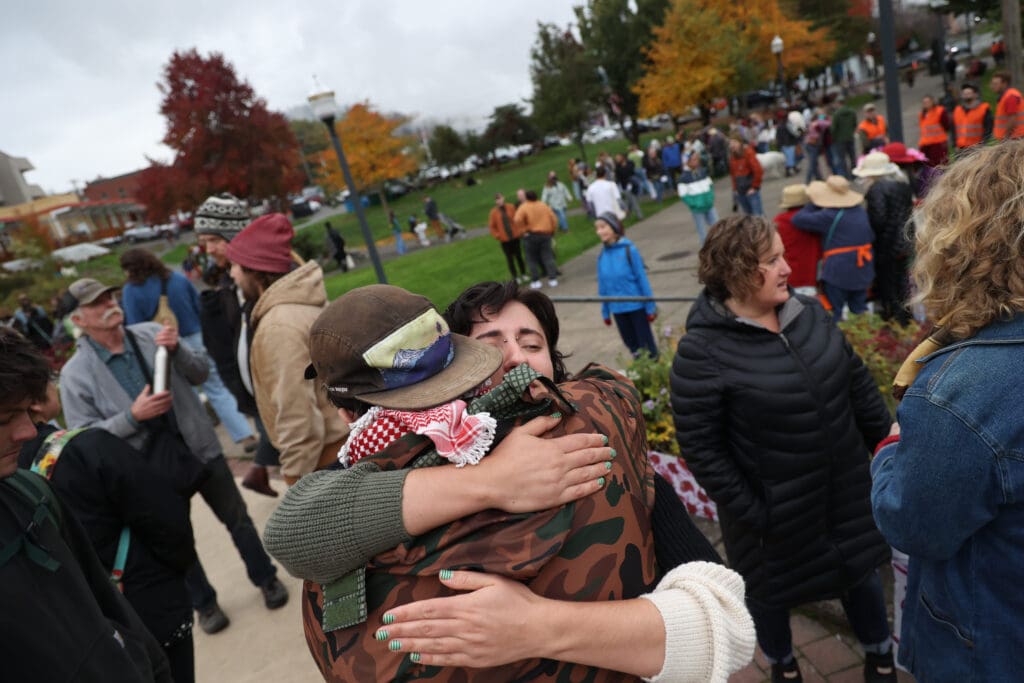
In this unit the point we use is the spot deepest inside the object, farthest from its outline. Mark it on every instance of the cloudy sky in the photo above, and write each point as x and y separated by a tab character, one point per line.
79	78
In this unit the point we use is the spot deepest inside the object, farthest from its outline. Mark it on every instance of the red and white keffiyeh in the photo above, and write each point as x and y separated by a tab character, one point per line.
457	436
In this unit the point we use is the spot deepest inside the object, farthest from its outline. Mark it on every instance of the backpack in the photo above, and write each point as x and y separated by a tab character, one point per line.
31	487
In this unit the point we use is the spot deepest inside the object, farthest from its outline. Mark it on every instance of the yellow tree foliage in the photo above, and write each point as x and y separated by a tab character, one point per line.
714	48
375	154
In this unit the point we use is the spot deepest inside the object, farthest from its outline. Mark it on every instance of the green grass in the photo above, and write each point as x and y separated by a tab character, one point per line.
175	255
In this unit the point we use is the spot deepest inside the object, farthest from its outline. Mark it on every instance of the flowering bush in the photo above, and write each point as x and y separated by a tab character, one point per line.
650	375
883	348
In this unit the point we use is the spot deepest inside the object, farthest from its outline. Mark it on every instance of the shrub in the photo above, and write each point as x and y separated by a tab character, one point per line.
650	375
883	347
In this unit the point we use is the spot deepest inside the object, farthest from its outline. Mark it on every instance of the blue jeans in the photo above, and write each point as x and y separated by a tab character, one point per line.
704	220
789	152
844	158
636	332
222	495
864	605
222	400
563	222
750	204
813	169
838	297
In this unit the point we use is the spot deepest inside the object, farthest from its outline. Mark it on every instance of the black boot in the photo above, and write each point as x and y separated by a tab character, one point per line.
879	668
786	672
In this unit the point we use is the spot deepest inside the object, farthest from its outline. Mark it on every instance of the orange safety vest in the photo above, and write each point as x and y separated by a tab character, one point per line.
969	125
932	132
873	130
1008	125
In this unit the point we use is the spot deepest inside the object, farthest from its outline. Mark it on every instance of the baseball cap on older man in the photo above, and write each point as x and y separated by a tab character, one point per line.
388	347
86	290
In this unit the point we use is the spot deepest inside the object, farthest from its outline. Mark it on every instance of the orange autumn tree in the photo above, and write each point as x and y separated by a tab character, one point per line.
713	48
375	154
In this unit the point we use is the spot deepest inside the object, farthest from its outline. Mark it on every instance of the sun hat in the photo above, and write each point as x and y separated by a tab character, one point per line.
388	347
86	290
899	153
833	193
612	220
869	107
794	196
264	245
874	164
224	215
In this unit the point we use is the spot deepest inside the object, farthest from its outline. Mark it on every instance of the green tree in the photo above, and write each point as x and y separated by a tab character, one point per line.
447	146
566	87
839	18
312	135
615	34
509	125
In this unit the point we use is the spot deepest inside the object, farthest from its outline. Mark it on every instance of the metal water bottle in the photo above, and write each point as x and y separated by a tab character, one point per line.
160	369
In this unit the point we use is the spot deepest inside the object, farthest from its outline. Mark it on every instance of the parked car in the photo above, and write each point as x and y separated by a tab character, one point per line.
302	207
141	233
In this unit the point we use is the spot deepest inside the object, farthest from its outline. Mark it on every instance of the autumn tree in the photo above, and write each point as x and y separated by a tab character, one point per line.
375	153
711	48
615	33
223	137
566	87
447	146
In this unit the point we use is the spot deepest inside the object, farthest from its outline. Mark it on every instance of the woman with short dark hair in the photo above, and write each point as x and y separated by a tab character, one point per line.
775	415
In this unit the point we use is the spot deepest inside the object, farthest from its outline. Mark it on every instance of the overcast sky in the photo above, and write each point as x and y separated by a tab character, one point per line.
79	78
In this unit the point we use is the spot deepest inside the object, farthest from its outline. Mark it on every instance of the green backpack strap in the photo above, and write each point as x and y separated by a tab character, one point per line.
31	487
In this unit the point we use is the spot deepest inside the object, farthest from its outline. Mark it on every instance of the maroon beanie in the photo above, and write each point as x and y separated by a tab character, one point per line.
264	245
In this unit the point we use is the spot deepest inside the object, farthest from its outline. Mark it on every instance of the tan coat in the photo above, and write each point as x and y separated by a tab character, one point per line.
300	421
536	217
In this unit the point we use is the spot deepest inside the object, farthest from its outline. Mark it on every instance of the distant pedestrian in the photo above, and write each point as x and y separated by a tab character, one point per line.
1009	122
396	230
844	132
433	216
337	243
654	170
604	196
698	193
935	123
802	249
503	226
537	223
872	131
818	142
557	196
672	159
746	173
626	181
620	272
31	320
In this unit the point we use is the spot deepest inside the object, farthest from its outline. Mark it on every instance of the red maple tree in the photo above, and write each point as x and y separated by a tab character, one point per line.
223	136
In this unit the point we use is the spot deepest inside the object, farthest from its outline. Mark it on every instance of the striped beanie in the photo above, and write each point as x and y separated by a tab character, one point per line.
223	215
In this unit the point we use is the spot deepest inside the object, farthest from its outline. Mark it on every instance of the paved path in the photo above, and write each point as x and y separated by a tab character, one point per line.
262	646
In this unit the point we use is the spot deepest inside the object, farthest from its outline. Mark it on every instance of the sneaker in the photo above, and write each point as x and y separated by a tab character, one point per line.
212	619
275	595
535	284
552	283
879	668
787	672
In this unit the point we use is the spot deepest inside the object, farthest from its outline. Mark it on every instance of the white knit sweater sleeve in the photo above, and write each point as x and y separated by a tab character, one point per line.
708	631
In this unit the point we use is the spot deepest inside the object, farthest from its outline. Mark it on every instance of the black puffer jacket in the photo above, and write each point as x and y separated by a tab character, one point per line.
220	315
889	205
776	428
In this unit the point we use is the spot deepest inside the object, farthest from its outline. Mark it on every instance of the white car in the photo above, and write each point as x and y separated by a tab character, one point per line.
141	233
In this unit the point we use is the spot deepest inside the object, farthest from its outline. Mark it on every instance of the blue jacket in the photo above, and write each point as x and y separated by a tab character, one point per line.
140	302
849	270
950	494
620	272
671	156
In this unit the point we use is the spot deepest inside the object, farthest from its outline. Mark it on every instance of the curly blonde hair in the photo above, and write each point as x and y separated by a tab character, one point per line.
731	255
970	266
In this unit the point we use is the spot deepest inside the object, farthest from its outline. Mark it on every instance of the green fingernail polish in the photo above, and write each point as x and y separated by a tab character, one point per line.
445	574
613	454
389	618
604	439
556	415
395	645
607	465
415	656
381	634
600	481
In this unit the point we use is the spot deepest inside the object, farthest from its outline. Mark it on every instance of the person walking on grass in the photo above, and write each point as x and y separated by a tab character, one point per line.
620	272
556	195
503	227
537	224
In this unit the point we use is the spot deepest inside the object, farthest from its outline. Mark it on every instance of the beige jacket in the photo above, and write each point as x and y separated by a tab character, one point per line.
300	420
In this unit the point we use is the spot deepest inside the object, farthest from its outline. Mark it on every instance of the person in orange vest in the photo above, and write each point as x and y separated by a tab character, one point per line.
872	131
972	119
1009	121
935	123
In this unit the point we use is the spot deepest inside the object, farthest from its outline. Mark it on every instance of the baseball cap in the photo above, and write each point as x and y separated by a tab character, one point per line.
86	290
388	347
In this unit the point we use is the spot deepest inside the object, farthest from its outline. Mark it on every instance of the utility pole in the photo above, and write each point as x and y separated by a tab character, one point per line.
1011	34
887	38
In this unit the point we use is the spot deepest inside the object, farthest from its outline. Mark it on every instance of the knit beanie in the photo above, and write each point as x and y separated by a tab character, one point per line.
265	245
612	220
223	215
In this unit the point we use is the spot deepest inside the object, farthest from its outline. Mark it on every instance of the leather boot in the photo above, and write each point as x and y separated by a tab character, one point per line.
256	479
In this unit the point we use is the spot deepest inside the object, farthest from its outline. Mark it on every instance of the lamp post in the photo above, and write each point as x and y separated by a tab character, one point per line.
777	46
325	108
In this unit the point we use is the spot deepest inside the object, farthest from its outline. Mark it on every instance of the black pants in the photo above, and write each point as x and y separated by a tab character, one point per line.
539	251
181	657
266	454
892	288
222	495
513	251
636	332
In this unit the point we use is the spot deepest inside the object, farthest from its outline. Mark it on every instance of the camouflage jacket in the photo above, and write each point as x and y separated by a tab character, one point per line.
597	548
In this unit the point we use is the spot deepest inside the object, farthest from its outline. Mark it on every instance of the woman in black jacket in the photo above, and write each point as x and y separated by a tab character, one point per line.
775	415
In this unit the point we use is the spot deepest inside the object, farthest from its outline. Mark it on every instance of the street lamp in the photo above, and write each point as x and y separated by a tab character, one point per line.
325	108
777	46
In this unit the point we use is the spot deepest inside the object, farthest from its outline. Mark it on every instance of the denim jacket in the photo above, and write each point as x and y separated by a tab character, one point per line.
950	494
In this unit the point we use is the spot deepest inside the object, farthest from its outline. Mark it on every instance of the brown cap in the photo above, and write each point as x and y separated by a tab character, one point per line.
86	290
388	347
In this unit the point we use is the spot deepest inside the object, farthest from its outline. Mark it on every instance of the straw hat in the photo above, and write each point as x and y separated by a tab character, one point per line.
834	193
793	196
874	164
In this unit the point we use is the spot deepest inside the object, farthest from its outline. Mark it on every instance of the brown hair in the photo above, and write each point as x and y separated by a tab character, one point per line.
731	255
969	267
1004	76
24	371
140	264
264	278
